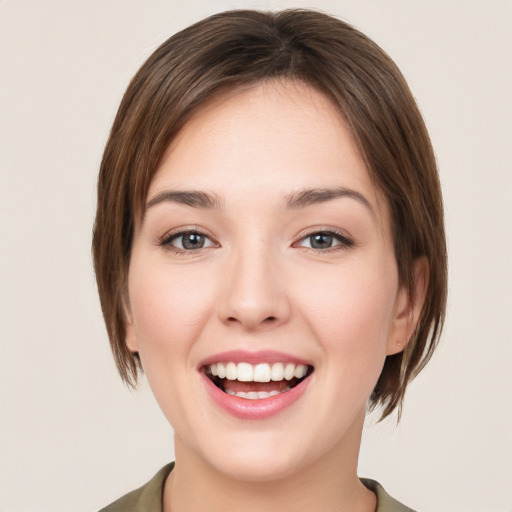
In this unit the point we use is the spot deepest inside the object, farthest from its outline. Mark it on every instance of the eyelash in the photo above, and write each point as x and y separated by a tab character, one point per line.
166	241
344	242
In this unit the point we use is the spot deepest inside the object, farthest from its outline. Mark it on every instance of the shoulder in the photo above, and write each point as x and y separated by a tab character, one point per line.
385	503
147	498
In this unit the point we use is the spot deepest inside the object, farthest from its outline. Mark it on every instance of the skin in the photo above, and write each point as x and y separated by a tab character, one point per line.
257	284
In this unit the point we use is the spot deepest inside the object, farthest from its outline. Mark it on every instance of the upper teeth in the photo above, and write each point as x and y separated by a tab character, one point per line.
262	372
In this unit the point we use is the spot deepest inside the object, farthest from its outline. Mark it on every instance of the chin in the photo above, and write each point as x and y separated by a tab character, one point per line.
259	467
247	456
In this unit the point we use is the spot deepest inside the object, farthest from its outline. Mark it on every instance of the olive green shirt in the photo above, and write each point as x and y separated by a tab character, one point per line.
148	498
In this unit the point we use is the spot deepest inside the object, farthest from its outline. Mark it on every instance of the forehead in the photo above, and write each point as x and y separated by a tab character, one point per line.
268	139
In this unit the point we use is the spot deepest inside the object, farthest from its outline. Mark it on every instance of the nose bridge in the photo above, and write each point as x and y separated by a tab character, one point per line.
253	293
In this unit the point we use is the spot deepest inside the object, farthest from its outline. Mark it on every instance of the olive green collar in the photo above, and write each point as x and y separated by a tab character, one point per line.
149	497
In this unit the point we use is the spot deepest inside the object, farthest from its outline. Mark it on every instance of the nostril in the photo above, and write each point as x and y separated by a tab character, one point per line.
268	320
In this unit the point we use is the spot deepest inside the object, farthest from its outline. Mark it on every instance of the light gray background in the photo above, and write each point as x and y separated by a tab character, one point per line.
72	438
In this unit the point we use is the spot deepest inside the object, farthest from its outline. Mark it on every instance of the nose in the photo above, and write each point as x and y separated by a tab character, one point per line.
253	293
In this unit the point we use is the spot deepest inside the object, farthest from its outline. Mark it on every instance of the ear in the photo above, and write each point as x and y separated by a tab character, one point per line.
408	309
131	333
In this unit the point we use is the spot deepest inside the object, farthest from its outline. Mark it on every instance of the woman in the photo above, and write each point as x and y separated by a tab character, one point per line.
269	248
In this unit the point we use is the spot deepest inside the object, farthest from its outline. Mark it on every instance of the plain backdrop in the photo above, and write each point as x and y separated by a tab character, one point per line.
72	438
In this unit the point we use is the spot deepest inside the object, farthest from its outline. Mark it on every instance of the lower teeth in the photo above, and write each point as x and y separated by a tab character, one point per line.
255	395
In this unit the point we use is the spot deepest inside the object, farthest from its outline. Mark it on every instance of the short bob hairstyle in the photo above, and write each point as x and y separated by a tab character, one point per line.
240	48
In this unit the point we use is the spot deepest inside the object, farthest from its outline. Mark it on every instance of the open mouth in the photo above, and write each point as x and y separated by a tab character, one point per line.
256	381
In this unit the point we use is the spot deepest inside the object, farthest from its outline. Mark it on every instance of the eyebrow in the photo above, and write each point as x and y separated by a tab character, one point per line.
312	196
192	198
295	200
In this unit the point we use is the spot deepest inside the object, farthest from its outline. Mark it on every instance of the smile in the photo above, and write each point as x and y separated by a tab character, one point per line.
256	381
255	385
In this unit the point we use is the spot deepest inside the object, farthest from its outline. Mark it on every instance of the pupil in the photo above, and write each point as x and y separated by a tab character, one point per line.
321	241
193	241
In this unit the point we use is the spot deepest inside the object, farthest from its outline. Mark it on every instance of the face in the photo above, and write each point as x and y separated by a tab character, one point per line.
263	288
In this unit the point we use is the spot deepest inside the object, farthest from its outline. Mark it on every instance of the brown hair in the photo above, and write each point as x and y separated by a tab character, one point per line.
237	48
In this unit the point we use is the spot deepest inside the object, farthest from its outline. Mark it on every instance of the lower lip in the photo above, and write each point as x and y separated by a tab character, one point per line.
260	409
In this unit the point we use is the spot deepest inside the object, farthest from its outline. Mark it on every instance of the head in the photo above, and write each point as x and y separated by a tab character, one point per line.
239	50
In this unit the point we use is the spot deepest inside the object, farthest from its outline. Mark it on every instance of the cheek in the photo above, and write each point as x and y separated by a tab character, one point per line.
351	311
168	310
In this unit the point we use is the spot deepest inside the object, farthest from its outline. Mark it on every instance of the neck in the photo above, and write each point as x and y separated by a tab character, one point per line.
329	483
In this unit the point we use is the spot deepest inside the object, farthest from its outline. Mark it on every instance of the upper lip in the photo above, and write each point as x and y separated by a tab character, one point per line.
261	356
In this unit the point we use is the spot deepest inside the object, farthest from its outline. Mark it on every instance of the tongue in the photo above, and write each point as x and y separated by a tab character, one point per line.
236	386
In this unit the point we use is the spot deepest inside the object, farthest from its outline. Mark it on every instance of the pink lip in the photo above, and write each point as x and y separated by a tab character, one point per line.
253	409
262	356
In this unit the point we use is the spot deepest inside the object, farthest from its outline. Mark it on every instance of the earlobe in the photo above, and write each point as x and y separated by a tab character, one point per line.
408	308
131	334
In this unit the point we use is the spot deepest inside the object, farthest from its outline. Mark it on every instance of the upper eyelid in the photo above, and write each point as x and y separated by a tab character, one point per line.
346	240
181	231
341	233
166	241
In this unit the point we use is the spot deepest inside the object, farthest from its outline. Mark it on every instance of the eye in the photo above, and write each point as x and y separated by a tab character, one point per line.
325	240
186	241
